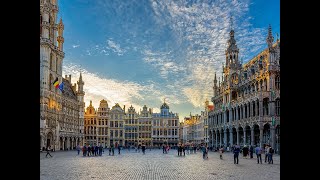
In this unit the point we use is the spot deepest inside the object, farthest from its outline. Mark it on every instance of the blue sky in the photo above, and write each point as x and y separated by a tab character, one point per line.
138	52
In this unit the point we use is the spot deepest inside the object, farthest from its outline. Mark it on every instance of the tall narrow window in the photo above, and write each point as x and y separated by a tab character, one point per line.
51	60
278	107
278	82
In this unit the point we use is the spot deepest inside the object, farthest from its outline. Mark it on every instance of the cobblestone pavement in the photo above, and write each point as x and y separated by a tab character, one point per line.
154	165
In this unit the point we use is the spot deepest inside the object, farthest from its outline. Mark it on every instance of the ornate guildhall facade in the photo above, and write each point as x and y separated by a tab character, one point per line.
247	101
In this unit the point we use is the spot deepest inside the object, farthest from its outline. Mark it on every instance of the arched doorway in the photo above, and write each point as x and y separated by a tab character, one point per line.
248	136
241	137
266	138
65	146
61	143
50	140
218	139
256	132
234	134
222	138
228	138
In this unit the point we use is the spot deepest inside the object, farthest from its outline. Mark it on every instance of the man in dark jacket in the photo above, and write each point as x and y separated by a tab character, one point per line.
236	152
251	152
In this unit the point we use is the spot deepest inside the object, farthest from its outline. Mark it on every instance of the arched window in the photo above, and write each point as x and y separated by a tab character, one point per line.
266	84
51	61
278	82
50	82
57	64
278	107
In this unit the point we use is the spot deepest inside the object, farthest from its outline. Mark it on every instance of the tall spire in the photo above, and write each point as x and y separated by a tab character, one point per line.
270	37
231	23
80	79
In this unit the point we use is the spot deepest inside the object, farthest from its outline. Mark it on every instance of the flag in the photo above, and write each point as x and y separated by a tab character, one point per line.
56	83
61	86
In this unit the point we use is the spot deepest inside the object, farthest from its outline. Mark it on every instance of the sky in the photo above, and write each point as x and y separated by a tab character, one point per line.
142	52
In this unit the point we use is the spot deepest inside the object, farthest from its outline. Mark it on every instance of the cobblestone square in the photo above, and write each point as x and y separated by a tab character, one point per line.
154	165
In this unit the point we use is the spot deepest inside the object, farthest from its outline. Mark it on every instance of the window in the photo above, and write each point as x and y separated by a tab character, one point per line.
50	82
278	107
278	82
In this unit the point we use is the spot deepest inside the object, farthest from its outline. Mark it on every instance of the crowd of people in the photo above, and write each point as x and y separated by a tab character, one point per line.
266	149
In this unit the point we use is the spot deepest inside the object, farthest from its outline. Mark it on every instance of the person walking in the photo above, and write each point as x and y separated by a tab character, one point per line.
89	150
221	151
258	151
110	150
119	149
266	153
203	148
48	151
251	152
84	150
183	148
92	150
143	148
78	149
271	152
236	152
245	151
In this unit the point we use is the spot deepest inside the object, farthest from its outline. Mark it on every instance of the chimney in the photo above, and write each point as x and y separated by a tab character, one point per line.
70	78
66	77
124	108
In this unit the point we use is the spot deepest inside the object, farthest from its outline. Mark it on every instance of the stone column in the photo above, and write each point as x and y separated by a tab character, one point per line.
230	115
63	143
225	138
212	138
231	137
260	109
220	138
244	136
252	136
216	138
237	136
261	135
273	138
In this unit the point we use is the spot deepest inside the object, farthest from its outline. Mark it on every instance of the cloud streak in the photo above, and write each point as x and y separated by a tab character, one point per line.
123	92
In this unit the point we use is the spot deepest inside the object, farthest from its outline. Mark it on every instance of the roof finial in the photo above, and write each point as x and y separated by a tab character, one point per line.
231	23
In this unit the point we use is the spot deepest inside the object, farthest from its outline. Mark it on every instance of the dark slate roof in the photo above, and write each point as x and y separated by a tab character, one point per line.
68	91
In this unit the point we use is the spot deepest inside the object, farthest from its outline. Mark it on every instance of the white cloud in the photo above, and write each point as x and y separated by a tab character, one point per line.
76	45
205	28
115	47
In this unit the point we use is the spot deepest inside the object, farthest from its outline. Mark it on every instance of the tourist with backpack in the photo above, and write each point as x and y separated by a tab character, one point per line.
271	152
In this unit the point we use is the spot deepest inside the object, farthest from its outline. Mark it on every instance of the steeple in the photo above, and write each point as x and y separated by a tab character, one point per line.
215	85
232	50
80	92
60	38
269	38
